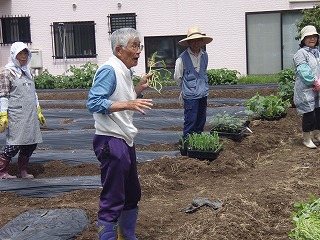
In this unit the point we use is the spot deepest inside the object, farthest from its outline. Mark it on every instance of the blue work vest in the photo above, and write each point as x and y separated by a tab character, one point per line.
194	84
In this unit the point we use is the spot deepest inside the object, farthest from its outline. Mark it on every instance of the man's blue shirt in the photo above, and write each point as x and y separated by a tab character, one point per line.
103	87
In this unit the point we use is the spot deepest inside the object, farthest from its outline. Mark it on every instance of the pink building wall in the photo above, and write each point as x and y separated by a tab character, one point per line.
223	20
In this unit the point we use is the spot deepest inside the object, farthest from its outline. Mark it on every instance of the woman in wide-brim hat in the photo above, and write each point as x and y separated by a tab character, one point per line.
195	33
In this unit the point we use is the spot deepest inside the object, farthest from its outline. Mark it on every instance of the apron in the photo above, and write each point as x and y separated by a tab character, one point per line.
24	126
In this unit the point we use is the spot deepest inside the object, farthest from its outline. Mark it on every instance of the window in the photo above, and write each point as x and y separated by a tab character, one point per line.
117	21
271	41
167	49
74	39
15	29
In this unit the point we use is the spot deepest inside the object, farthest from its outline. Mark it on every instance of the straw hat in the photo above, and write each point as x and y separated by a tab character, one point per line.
308	31
195	33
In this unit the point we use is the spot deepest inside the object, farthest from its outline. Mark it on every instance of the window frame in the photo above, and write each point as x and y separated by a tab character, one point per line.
176	49
282	43
15	29
73	47
121	20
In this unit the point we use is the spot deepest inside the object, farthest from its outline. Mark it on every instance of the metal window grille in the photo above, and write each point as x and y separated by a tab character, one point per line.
73	40
117	21
15	28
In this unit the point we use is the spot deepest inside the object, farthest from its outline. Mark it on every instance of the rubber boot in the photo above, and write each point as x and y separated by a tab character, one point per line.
107	230
23	163
127	224
4	163
307	140
316	136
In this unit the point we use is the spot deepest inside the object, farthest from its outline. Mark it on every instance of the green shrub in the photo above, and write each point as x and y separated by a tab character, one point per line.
286	84
81	77
75	77
311	16
222	76
266	107
45	80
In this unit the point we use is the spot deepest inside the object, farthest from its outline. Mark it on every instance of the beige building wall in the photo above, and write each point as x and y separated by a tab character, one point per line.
223	20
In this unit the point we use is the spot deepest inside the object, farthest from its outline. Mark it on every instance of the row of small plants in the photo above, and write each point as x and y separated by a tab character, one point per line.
81	78
74	78
258	107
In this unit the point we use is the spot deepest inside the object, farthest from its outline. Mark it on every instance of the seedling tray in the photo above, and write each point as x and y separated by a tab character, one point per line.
203	155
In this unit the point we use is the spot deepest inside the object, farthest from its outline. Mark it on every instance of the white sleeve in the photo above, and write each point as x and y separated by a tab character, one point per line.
178	71
3	104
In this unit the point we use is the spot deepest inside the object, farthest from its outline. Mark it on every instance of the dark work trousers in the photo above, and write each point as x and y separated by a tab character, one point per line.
119	178
195	113
10	151
311	120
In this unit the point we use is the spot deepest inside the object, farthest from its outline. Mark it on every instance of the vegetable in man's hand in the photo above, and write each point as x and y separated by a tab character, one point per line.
155	81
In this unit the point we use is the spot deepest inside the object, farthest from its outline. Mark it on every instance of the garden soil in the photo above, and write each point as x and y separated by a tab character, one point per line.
257	180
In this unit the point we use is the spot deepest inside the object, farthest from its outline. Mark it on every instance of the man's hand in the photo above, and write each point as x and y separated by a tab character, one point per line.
3	121
41	117
143	84
140	103
133	105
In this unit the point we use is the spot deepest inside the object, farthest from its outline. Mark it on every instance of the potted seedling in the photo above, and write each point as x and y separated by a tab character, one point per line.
204	146
232	127
267	107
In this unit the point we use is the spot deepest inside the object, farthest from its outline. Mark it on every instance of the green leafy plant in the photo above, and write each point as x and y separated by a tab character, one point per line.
267	107
306	220
222	76
286	84
159	75
81	77
75	77
205	142
45	80
227	123
310	16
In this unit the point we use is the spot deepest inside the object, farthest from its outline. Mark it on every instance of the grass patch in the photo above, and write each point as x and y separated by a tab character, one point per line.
255	79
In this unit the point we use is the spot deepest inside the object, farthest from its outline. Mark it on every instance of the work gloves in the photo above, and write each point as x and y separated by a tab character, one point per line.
3	121
4	114
316	85
41	117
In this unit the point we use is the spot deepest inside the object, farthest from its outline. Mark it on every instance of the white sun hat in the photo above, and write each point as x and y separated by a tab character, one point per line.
308	31
195	33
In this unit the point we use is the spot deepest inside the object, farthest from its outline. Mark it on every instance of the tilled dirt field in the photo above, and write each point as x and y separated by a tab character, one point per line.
257	179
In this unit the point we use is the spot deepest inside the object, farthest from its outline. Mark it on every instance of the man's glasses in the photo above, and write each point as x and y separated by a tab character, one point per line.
136	48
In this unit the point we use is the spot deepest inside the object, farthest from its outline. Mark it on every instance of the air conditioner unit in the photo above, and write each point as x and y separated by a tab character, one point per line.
36	59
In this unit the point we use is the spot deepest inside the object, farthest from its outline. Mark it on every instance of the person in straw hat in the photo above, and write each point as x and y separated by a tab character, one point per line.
307	85
190	74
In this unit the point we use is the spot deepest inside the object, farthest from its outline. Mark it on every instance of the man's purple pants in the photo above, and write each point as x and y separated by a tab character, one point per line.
119	178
